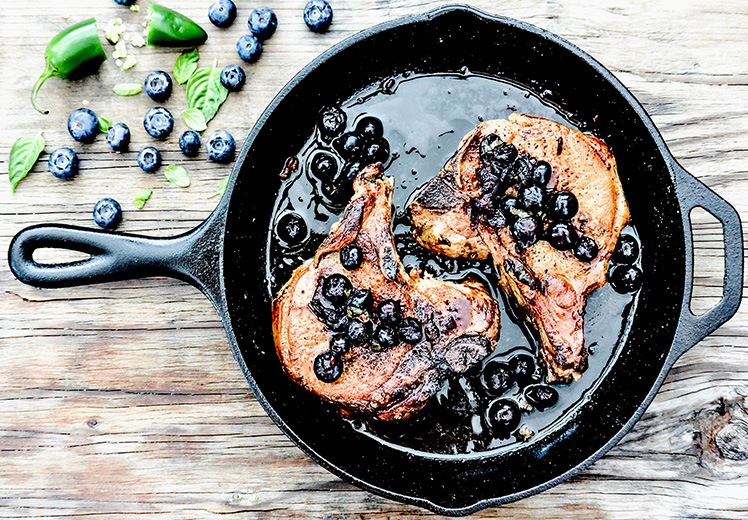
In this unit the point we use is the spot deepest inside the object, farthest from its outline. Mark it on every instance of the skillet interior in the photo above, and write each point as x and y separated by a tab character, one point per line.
444	41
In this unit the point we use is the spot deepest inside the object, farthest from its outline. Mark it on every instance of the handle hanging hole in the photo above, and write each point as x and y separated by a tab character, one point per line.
708	261
57	256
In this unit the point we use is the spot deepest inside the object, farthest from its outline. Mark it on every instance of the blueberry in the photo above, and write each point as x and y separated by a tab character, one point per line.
496	220
359	302
336	288
262	23
339	344
220	146
488	180
503	416
83	125
532	198
389	312
348	145
351	169
233	78
249	48
384	337
525	231
370	128
189	143
522	367
522	170
324	166
563	205
497	377
376	151
541	174
222	13
318	15
497	153
351	256
626	251
359	333
118	137
107	213
158	122
125	2
331	122
586	249
158	86
486	204
291	228
328	367
149	159
510	205
410	331
625	278
541	396
562	236
63	163
337	191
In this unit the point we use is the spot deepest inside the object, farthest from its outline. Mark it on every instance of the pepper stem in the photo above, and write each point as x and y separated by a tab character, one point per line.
48	73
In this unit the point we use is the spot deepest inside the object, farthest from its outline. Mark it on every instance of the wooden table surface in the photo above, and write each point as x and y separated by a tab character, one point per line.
123	400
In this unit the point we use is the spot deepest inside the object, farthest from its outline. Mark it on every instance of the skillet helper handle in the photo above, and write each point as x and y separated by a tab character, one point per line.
191	257
692	193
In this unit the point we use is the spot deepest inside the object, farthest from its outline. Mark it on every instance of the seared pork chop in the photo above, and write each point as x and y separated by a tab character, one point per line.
550	285
460	321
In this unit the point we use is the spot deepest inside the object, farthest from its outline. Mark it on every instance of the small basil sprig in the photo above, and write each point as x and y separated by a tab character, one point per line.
177	175
221	188
104	124
23	155
186	65
206	92
141	198
195	119
127	89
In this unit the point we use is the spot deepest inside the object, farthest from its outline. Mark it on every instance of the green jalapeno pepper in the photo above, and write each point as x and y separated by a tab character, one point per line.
168	28
72	54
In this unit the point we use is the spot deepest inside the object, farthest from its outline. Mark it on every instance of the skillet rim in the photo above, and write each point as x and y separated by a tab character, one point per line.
222	300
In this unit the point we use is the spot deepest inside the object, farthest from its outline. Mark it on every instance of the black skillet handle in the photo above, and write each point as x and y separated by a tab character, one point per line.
193	256
692	193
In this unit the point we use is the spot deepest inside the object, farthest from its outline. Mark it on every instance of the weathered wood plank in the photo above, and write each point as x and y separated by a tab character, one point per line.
123	400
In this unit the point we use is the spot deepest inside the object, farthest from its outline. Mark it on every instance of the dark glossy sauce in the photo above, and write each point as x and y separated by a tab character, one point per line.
424	119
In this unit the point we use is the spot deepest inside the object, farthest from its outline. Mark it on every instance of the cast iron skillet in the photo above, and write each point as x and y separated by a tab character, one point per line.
225	257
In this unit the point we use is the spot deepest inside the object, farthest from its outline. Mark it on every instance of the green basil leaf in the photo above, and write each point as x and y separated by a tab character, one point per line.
206	92
141	198
186	65
195	119
177	175
23	155
104	124
127	89
221	188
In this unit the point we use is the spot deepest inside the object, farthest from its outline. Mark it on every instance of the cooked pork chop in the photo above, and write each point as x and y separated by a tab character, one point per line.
550	285
460	320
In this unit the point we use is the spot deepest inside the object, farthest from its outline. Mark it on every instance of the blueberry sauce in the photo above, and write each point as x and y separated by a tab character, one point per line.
423	118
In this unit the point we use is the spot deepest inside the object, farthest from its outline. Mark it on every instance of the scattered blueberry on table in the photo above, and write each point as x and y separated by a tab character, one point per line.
318	15
83	125
249	48
262	23
158	122
118	137
125	2
63	163
189	143
222	13
149	159
158	86
233	78
107	213
220	146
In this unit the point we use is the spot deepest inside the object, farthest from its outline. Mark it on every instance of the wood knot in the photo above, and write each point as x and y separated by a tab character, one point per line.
93	423
732	440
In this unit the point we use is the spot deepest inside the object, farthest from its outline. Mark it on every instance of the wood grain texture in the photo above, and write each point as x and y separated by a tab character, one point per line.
122	400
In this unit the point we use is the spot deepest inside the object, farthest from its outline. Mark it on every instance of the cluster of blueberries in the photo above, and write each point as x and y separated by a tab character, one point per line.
363	146
503	167
625	277
503	415
356	318
83	125
263	22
